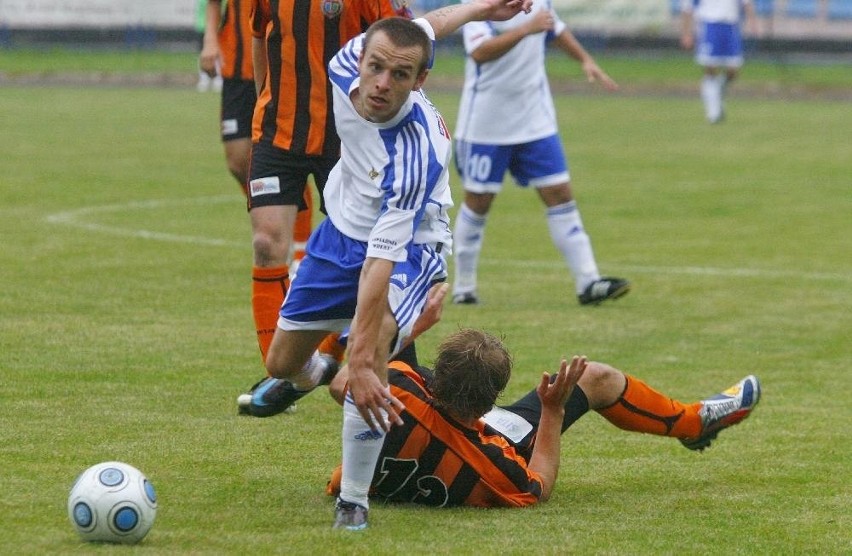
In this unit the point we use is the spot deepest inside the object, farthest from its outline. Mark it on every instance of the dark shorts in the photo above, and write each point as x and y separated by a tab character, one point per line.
278	177
238	100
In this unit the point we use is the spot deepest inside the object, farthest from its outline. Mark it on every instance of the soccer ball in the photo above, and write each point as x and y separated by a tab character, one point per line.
112	502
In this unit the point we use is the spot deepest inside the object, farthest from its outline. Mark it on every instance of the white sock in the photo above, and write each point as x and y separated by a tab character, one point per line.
310	375
361	449
467	244
569	236
711	95
721	86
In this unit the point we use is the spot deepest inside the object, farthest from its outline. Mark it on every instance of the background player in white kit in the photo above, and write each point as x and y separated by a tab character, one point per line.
372	262
712	27
507	121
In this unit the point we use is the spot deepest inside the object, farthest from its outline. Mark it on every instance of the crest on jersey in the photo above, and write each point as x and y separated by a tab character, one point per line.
332	8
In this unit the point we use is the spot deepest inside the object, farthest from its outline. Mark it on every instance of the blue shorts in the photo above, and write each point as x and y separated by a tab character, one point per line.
539	163
324	292
719	45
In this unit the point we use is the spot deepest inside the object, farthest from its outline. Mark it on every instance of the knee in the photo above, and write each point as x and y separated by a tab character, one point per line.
269	248
556	195
602	384
480	203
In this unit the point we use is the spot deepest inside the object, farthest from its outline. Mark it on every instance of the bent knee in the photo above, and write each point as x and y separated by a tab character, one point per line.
602	384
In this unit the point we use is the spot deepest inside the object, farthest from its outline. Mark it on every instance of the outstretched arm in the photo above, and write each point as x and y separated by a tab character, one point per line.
569	44
553	395
369	342
495	47
430	316
448	19
687	28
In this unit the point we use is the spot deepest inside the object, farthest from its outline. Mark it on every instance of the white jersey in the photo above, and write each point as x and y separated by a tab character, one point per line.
391	184
507	101
715	11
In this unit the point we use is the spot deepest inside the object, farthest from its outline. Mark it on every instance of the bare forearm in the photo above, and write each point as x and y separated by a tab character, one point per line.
569	44
369	313
499	45
448	19
545	456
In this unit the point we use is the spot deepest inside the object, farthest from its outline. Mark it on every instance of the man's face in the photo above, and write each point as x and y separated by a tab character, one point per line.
388	75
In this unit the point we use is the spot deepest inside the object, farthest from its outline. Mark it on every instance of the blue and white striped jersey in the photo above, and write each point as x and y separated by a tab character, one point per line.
391	184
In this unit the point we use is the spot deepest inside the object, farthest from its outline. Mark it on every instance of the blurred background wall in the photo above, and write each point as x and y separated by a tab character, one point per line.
800	24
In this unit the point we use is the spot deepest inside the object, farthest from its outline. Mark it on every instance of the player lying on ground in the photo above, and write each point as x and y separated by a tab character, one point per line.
456	448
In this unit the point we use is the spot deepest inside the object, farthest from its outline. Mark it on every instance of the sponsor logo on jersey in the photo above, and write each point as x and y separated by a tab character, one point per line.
264	186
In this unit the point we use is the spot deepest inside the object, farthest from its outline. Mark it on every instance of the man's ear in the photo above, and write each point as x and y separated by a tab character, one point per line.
421	78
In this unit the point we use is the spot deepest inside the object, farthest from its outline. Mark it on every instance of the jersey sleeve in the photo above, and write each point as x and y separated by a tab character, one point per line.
343	68
475	33
558	25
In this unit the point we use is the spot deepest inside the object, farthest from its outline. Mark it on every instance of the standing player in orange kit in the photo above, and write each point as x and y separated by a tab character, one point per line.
227	50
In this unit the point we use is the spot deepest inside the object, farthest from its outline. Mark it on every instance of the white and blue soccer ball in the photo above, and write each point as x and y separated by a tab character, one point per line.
112	502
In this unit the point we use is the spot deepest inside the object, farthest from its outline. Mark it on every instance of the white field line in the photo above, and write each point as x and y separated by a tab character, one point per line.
82	218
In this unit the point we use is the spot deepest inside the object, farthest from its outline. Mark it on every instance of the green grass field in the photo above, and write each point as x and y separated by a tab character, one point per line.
126	330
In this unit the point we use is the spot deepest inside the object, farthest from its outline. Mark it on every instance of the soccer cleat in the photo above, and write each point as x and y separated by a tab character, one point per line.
271	396
724	410
468	298
605	288
349	516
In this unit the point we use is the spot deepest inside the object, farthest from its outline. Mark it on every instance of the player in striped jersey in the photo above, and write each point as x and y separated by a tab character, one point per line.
372	262
455	448
227	51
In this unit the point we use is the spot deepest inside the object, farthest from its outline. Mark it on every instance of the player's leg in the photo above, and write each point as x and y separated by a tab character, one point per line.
641	408
319	302
482	168
632	405
276	193
361	446
407	296
542	165
301	232
237	105
711	96
237	154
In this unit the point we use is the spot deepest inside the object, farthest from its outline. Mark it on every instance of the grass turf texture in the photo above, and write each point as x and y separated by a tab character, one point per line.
126	331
